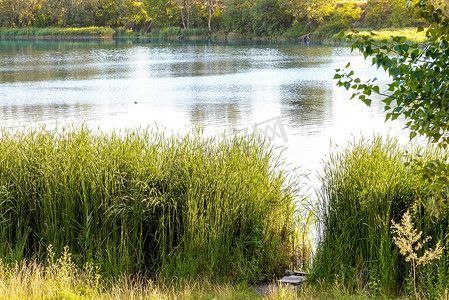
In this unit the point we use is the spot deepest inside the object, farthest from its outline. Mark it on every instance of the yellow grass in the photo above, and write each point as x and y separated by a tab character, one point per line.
411	34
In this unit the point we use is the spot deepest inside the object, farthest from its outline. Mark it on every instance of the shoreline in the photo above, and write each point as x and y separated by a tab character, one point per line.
180	39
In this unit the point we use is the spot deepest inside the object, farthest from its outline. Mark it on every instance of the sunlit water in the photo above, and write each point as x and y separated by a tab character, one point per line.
115	85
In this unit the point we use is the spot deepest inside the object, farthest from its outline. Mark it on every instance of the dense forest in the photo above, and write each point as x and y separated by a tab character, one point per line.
255	17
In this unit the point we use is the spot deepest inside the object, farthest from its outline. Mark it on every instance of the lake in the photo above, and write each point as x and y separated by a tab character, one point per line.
285	91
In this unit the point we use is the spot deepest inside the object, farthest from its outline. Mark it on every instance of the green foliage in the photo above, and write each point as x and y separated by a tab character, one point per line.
262	18
297	30
314	12
169	32
384	14
132	14
183	206
237	17
346	13
270	18
244	17
57	32
401	14
377	14
364	187
194	32
411	35
17	13
161	12
328	31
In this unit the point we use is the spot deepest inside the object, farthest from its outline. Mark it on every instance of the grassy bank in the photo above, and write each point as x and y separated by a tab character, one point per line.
411	34
325	34
140	201
56	32
365	186
331	37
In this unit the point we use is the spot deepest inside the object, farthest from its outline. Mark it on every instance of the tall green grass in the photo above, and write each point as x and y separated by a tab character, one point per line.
364	187
138	200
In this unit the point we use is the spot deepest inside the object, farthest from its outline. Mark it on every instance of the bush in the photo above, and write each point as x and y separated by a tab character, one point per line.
169	32
328	31
297	30
202	32
183	206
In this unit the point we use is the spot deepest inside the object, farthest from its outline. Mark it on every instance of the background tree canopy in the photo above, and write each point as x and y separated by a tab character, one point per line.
291	18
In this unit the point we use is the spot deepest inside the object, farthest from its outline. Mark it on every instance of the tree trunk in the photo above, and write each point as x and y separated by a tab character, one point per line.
180	4
188	13
309	19
148	29
211	3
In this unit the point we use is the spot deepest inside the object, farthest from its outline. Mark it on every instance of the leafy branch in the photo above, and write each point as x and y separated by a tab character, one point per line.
418	89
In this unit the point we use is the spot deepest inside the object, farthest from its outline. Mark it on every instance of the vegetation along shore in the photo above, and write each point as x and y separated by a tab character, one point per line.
299	20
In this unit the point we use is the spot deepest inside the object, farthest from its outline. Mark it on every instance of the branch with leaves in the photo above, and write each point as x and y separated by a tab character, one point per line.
419	88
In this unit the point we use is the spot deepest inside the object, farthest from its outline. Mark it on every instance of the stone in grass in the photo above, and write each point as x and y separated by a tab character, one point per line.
298	273
292	279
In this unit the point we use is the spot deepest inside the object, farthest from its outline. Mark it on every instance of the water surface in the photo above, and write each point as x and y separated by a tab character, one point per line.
112	84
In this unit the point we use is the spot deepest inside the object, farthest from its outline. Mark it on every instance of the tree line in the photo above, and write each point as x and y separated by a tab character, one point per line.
257	17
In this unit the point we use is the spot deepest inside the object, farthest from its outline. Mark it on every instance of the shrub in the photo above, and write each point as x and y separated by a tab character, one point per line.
297	30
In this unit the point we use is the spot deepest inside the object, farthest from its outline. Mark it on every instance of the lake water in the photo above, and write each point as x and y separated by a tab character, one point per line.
287	91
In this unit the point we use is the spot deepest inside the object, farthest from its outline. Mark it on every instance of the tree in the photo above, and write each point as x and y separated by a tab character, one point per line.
377	14
349	12
401	14
132	14
313	10
388	13
161	12
419	88
210	11
79	12
237	16
270	18
17	13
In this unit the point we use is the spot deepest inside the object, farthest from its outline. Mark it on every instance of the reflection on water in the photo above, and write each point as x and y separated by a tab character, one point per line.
111	84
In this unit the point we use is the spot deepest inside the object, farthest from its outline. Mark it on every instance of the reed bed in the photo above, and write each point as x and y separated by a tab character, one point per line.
171	206
364	187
